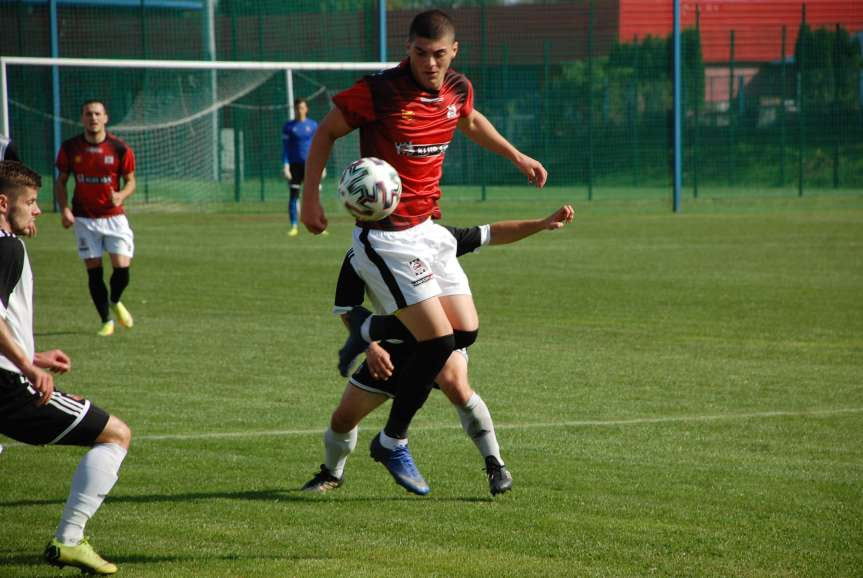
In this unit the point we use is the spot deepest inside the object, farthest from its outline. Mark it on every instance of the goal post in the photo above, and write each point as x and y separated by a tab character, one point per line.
202	131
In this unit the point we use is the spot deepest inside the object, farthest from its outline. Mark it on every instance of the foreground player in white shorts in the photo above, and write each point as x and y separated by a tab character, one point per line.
99	160
376	379
407	116
31	410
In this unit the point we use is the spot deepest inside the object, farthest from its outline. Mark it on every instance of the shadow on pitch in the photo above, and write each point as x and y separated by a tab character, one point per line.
274	495
56	333
30	559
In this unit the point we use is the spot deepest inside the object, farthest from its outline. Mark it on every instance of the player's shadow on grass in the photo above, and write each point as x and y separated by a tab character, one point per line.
30	559
273	495
57	333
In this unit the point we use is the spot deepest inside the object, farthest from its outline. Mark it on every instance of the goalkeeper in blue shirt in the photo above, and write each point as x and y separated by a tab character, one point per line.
296	137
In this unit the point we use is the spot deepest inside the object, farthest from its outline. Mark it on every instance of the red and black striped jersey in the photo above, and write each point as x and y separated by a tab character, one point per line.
410	127
97	169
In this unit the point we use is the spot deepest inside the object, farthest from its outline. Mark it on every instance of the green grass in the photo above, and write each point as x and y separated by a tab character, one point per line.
674	394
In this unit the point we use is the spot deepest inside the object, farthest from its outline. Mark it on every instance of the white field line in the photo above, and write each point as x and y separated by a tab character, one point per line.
515	426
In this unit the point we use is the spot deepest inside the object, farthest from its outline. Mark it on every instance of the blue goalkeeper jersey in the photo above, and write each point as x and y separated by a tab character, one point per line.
296	140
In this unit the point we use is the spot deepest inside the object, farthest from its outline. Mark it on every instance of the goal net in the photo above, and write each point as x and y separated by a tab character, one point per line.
202	132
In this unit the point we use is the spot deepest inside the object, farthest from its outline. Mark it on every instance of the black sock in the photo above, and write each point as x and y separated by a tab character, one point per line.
464	339
119	281
389	327
98	292
416	382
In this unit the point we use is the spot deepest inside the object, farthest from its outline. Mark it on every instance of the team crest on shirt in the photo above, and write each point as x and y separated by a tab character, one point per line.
77	159
109	159
451	111
407	115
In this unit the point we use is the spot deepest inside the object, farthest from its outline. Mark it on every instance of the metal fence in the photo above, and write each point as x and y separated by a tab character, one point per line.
772	101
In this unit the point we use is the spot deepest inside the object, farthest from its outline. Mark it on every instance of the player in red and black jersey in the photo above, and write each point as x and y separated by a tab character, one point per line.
408	116
100	162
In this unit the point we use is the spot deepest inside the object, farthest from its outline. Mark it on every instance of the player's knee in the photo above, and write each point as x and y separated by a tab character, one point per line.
116	432
464	339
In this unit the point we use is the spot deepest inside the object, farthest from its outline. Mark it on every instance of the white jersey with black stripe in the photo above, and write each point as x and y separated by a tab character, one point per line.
16	296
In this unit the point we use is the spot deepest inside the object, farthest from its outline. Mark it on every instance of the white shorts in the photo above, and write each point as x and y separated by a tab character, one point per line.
111	234
402	268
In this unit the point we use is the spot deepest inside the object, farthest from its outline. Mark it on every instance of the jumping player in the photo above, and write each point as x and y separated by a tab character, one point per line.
375	381
99	160
407	116
31	410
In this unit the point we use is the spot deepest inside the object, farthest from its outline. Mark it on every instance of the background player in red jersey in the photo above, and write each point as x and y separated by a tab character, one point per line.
99	160
407	116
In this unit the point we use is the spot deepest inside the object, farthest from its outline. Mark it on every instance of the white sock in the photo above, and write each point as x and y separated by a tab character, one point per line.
337	448
365	328
476	421
94	477
391	443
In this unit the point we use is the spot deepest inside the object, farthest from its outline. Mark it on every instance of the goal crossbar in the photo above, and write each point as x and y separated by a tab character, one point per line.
5	61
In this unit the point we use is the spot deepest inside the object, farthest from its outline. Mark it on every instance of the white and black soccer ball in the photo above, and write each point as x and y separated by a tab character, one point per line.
370	189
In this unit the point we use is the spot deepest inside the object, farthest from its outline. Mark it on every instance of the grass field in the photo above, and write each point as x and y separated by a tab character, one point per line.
674	395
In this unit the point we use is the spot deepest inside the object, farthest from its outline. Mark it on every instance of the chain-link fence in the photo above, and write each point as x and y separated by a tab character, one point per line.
772	101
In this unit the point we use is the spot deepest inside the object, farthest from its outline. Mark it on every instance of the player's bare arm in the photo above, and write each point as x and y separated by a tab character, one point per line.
504	232
480	130
42	381
129	184
67	219
331	128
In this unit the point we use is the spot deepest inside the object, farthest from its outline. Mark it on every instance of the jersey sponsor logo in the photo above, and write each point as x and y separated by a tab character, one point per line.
451	111
84	179
409	149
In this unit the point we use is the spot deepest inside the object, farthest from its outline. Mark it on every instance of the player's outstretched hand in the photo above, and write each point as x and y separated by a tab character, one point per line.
286	172
67	219
533	170
559	218
312	215
54	360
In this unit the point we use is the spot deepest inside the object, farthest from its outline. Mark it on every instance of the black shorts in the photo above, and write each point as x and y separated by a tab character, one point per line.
64	420
362	377
298	173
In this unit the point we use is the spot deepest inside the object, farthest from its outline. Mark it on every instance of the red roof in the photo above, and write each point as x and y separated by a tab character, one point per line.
757	25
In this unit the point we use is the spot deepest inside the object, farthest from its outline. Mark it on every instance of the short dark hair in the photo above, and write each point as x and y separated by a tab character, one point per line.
94	101
297	101
14	176
431	24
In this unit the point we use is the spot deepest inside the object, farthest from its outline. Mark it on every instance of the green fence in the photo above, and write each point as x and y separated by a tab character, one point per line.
574	84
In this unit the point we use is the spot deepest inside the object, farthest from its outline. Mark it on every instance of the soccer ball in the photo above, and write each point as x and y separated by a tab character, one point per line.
370	189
